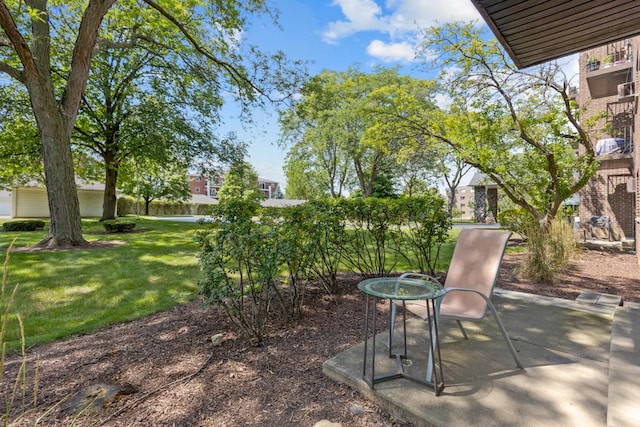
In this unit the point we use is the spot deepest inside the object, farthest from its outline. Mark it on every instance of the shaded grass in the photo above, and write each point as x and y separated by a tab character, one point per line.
72	292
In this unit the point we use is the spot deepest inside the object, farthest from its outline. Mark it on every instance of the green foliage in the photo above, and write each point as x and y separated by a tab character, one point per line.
240	264
259	262
549	251
118	225
240	184
423	229
341	133
519	127
153	181
326	227
23	225
370	233
517	220
128	206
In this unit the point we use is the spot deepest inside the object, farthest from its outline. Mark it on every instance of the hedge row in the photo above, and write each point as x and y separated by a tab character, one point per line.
23	225
127	206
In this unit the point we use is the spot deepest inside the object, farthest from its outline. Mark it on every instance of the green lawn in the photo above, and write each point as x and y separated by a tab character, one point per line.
71	292
63	293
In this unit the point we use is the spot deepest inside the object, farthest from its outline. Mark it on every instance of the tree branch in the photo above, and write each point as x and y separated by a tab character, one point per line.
18	43
238	77
81	58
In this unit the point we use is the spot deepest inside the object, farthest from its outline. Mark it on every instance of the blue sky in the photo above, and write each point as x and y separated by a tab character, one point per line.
334	35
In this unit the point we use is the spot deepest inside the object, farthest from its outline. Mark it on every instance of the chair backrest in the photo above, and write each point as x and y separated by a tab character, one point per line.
474	265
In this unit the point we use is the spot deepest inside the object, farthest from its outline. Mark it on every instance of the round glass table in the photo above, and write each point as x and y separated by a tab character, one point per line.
398	290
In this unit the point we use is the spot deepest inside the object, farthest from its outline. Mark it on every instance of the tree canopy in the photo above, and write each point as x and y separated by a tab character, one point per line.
519	127
337	135
48	49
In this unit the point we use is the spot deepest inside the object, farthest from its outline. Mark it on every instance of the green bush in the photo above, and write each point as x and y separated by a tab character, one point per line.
23	225
549	250
517	220
118	226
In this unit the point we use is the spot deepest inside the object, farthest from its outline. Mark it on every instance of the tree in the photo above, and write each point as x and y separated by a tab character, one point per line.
140	103
453	168
33	54
20	154
240	184
519	127
152	182
337	134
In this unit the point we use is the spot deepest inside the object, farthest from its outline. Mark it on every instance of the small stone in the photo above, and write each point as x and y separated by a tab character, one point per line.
326	423
356	410
217	339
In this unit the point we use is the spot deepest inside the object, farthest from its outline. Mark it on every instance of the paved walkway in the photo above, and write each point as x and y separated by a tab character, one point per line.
582	367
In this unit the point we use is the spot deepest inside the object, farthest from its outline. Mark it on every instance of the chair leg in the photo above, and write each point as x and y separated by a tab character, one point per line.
505	336
392	323
464	332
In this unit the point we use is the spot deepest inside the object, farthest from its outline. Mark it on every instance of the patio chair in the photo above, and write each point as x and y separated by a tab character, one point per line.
469	283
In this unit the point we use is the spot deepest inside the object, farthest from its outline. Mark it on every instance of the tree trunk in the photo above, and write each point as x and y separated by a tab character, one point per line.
147	202
64	207
109	201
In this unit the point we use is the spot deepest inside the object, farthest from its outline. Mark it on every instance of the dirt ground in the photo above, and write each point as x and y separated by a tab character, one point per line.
164	370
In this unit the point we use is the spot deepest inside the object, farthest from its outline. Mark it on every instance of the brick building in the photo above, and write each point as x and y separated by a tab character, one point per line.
608	204
202	185
464	201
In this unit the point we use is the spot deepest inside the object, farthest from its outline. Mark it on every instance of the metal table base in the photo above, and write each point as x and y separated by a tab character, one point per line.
434	376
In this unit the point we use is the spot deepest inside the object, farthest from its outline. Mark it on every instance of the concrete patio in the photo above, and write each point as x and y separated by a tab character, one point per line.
581	358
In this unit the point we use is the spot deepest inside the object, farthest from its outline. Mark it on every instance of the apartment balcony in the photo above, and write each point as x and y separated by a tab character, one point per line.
610	71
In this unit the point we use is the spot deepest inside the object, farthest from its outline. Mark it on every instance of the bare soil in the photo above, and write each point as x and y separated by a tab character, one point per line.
165	370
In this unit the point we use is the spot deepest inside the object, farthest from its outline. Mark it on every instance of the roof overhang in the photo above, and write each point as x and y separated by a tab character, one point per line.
534	32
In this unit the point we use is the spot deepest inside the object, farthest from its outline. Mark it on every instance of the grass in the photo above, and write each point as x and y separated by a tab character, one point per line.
64	293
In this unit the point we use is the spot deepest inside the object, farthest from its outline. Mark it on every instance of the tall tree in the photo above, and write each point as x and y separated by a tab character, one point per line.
337	129
34	55
519	127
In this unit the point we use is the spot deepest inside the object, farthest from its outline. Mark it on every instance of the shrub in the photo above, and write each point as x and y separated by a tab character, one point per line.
23	225
549	250
517	220
118	226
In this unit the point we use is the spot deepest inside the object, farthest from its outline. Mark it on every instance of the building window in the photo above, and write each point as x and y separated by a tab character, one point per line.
197	179
197	189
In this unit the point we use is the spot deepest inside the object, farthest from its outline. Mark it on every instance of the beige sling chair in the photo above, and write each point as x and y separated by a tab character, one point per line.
469	283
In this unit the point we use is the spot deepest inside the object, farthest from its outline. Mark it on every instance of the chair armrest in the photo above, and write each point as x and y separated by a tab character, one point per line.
421	276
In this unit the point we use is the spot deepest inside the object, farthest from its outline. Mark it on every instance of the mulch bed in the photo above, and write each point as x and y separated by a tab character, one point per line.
167	371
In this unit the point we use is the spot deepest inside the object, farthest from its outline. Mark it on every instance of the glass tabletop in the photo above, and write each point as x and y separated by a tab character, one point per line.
401	289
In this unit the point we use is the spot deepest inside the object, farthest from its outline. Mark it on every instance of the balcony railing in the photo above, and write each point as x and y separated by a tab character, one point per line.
609	70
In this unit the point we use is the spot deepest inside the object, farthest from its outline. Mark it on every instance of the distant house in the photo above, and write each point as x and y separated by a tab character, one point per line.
30	201
204	186
464	201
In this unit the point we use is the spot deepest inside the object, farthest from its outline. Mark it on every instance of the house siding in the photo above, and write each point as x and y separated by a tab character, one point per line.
31	202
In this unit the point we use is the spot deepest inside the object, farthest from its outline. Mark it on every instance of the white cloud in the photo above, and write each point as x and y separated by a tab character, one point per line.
443	101
391	52
361	15
398	18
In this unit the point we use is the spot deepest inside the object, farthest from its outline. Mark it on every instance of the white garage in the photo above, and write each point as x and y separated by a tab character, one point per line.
31	201
5	203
